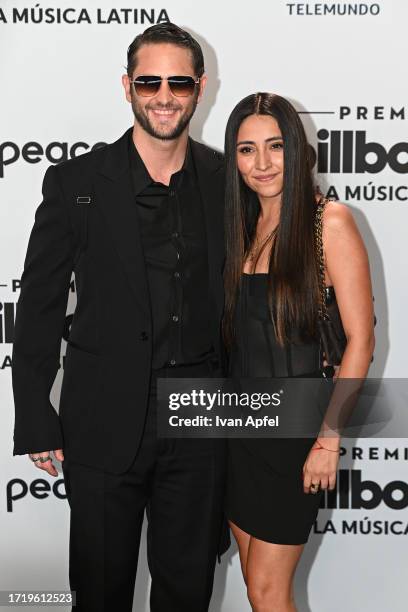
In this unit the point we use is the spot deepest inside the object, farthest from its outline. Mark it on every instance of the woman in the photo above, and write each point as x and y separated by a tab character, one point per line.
272	297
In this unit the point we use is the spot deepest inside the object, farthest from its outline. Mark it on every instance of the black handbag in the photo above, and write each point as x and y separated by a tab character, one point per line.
330	327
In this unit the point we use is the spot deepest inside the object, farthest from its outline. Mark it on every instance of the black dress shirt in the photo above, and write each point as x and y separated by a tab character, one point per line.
174	242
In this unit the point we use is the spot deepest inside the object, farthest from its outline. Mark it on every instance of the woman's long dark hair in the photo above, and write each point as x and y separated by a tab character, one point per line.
293	270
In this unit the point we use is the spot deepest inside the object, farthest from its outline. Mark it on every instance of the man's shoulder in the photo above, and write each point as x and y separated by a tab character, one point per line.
208	152
84	163
87	163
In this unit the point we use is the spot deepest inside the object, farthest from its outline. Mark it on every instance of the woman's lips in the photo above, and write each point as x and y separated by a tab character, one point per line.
265	178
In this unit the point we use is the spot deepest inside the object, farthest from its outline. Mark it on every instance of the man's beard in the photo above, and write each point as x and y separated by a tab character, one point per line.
144	121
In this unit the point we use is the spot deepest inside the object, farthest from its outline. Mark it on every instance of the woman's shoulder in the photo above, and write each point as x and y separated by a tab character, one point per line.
337	216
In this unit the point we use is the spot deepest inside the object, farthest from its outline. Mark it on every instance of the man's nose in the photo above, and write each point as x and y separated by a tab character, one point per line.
164	95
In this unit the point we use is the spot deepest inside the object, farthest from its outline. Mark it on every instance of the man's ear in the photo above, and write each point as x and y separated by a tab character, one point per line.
126	86
203	83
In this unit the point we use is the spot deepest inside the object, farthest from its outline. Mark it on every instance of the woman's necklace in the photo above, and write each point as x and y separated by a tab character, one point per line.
258	245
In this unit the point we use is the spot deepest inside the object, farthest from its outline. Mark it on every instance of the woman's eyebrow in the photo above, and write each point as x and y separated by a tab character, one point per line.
252	142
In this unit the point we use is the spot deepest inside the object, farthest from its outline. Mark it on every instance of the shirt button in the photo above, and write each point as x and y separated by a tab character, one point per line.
172	362
177	275
144	336
172	193
175	235
175	318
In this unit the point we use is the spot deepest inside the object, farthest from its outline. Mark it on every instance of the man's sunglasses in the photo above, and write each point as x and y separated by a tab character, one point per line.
180	86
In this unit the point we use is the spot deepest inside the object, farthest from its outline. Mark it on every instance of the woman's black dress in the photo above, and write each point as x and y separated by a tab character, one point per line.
265	496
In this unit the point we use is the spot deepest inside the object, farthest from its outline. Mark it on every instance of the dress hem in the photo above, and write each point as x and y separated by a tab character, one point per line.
262	538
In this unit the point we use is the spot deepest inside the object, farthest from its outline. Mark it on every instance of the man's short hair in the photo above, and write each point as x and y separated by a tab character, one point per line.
166	33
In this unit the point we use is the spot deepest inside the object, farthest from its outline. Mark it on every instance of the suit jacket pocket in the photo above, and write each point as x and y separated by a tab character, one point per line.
80	384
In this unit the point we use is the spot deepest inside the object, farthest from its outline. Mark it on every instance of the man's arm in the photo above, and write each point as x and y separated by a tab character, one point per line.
39	325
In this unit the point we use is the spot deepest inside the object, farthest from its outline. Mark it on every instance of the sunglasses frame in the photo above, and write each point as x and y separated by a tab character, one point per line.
195	79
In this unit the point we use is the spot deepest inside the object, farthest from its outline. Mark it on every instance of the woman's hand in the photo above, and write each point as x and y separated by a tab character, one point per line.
320	466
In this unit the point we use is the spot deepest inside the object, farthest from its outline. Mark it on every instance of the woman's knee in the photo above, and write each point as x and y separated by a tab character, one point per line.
265	595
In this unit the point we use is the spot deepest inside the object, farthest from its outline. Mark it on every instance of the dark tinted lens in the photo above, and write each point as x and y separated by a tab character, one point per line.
147	85
181	85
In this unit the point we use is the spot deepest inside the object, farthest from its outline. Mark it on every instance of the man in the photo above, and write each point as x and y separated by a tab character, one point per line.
140	222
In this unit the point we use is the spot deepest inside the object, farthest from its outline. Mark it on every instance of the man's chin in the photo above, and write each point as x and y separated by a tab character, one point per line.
162	131
165	133
161	136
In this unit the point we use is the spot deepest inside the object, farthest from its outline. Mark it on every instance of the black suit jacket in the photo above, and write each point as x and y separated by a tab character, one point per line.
107	369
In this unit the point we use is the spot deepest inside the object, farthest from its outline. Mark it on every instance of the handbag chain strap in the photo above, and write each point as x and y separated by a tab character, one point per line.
318	230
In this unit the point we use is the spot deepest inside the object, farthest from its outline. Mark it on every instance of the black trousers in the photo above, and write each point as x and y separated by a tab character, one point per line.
180	484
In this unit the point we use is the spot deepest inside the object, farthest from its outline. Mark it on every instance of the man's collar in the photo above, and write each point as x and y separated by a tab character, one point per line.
188	160
142	176
113	160
138	168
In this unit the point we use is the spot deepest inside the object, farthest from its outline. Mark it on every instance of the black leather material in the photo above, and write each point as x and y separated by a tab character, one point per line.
332	335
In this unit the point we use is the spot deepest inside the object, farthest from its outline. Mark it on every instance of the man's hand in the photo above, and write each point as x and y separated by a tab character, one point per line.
48	466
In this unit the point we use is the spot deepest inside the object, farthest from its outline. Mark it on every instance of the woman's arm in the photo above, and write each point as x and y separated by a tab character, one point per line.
347	269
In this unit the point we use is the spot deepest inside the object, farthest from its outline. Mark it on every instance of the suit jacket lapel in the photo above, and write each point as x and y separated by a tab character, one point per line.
116	201
209	166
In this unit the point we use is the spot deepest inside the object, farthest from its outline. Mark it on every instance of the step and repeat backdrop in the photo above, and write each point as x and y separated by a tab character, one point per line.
341	64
